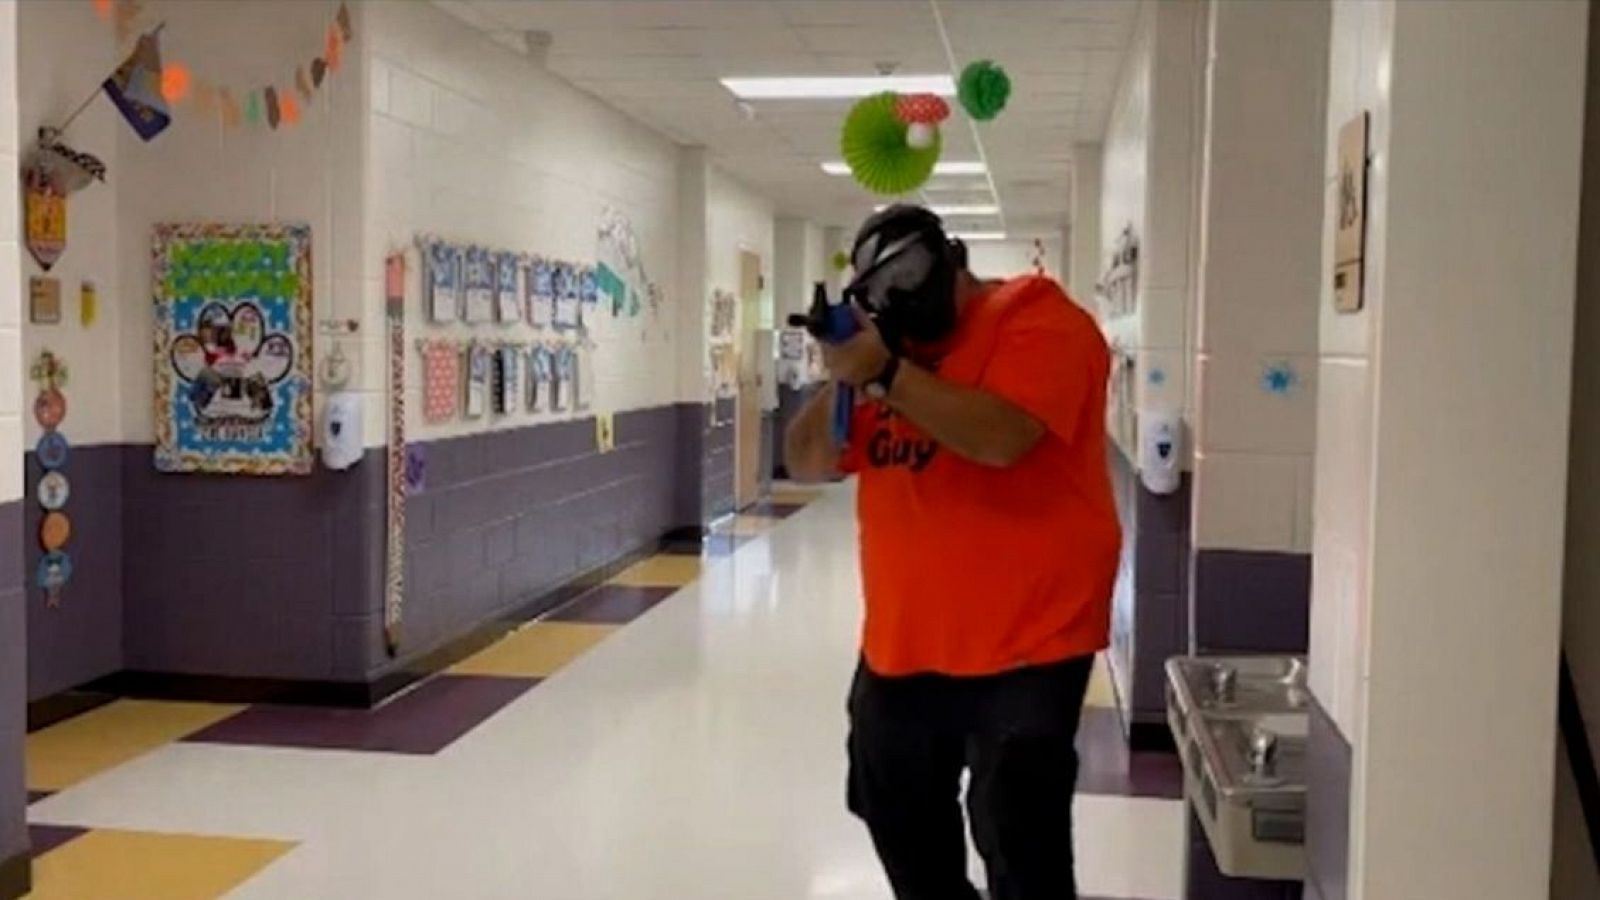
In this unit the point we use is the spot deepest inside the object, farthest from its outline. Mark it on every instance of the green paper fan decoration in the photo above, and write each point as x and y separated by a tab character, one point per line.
983	90
841	260
874	145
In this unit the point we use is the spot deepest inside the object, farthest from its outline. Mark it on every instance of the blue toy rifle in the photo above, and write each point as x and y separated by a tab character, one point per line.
834	323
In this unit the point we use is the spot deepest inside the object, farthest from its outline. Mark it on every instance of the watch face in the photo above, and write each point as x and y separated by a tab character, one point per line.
876	390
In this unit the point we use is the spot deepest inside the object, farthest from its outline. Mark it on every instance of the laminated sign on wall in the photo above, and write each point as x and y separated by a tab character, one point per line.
233	348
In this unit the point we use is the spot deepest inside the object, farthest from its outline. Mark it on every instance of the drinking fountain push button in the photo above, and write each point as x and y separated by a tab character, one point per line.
1263	756
1224	683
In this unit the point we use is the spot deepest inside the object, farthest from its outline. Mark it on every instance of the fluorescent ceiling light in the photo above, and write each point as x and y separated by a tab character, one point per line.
818	88
957	167
979	235
958	209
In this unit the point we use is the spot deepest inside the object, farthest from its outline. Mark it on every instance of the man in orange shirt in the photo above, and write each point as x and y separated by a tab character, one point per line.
989	546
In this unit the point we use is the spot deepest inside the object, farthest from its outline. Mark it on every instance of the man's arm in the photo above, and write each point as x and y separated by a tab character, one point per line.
970	422
809	453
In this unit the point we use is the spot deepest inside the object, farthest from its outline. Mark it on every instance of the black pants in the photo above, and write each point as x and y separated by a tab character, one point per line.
910	739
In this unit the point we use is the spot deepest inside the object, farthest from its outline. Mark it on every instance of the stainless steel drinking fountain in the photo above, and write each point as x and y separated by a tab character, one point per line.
1240	725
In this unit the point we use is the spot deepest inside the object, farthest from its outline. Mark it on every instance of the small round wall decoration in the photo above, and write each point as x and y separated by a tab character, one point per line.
51	450
55	529
49	408
55	570
53	491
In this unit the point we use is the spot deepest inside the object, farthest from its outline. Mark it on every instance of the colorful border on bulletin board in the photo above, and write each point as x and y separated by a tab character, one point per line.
233	368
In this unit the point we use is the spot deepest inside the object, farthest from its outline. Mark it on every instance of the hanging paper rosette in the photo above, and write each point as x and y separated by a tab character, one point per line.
983	90
874	144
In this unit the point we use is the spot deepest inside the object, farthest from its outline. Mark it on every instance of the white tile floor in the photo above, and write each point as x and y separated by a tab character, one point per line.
695	755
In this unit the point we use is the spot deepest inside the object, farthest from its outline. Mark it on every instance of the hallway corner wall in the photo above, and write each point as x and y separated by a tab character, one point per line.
15	867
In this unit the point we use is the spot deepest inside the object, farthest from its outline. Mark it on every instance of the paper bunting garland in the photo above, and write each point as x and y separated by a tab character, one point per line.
874	143
147	91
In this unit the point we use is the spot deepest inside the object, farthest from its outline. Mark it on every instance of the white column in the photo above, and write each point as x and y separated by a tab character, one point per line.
1442	446
693	287
1082	245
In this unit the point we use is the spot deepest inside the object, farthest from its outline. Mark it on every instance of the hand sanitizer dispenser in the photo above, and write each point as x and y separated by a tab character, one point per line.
1160	466
341	430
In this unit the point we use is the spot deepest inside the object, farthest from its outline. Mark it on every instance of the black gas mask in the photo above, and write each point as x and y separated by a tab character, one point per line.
905	275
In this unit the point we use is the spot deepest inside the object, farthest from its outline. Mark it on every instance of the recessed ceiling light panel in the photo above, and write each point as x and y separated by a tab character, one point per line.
836	88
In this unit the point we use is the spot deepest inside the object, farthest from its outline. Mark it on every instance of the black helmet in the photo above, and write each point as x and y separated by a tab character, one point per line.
905	270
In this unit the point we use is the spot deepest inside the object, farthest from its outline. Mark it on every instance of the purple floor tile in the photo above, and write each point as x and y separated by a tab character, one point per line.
36	796
774	510
422	721
48	837
612	604
1107	766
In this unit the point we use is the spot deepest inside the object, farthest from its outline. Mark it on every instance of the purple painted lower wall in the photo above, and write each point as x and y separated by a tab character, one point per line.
1328	759
1151	622
13	701
1252	601
80	639
507	516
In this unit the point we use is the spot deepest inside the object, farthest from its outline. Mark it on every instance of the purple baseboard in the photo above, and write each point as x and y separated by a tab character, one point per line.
13	695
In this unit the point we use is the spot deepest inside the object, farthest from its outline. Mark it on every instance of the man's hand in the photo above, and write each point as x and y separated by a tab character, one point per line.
861	358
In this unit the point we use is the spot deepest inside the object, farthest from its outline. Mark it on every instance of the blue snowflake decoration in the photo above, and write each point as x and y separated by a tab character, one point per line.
1279	378
1157	377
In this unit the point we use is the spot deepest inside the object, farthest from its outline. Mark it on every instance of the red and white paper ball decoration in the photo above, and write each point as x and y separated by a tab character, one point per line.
922	114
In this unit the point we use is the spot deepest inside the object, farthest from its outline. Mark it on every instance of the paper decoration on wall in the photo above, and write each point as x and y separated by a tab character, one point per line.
605	433
724	313
52	450
569	314
44	300
49	373
416	468
44	209
1350	223
53	491
144	85
628	284
874	144
1156	377
1117	294
441	281
507	305
441	380
233	372
55	529
55	570
399	452
538	289
588	296
564	378
540	378
1279	378
584	385
983	89
477	401
68	170
611	289
792	372
505	380
478	276
88	304
135	89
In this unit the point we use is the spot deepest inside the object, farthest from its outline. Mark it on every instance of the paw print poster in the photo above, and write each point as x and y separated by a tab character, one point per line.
441	380
233	348
478	269
507	305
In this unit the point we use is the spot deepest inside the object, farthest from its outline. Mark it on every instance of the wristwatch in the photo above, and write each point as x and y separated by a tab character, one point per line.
879	387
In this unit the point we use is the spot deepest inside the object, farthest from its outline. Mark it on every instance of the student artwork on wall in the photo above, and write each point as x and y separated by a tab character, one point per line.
563	378
540	378
507	305
583	374
478	269
507	378
588	297
441	280
478	364
441	380
233	366
539	291
568	313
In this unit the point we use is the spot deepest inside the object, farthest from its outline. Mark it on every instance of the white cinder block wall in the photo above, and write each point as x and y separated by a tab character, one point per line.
472	142
197	171
11	305
1010	258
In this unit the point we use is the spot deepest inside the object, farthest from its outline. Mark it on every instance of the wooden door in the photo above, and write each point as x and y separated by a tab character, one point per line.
747	440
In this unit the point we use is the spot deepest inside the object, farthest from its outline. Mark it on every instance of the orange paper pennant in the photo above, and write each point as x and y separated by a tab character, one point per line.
334	49
230	108
174	81
288	108
102	8
205	98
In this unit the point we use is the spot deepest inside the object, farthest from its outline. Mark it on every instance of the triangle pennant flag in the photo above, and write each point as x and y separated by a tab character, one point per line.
343	18
334	51
319	68
135	88
274	115
205	98
302	83
289	108
252	108
230	108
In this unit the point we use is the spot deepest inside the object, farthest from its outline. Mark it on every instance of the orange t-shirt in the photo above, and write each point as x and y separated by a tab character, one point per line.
974	570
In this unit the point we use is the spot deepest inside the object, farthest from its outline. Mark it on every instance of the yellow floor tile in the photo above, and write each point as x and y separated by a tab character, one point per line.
748	526
536	651
82	747
1100	692
660	571
137	865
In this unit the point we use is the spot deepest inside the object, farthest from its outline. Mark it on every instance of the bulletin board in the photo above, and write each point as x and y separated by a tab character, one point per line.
233	369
